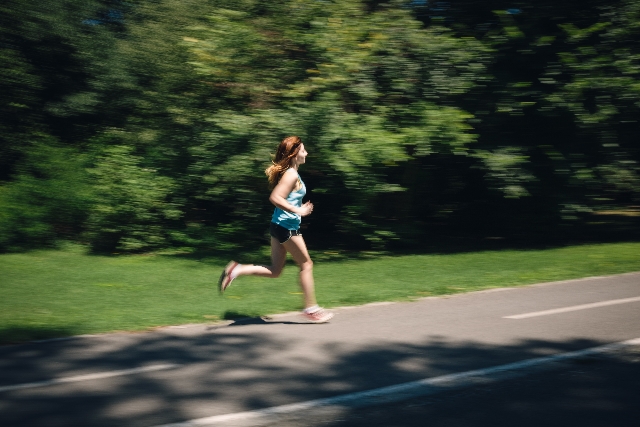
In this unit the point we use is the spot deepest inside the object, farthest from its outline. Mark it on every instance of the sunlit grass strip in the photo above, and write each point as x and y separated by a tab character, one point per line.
45	294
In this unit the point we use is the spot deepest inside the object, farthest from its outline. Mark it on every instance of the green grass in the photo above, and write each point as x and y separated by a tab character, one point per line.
66	292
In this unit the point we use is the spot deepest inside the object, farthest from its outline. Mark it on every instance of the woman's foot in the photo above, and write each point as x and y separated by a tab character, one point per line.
225	278
317	315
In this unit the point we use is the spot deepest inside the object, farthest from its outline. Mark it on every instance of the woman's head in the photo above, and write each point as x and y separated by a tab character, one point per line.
290	153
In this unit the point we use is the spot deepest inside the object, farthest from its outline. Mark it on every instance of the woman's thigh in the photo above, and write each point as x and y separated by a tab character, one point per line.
278	254
297	247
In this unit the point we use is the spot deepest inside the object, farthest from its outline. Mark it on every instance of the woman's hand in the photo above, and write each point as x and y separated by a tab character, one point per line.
305	209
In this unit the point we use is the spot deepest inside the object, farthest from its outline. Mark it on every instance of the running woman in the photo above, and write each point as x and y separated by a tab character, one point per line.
287	194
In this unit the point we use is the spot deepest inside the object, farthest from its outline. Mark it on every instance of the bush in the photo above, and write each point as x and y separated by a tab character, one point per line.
47	200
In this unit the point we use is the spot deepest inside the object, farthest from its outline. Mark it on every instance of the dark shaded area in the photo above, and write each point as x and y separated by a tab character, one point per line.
232	315
447	239
20	334
595	392
468	234
241	319
589	390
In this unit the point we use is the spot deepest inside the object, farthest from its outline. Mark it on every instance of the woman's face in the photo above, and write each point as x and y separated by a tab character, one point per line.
301	156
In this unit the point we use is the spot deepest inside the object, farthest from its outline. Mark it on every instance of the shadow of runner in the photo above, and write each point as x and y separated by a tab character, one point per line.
240	319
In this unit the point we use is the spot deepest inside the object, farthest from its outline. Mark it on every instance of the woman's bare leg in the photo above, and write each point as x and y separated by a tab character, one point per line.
278	257
298	250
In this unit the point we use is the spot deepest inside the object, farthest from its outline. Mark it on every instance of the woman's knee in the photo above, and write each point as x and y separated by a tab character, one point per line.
307	265
276	272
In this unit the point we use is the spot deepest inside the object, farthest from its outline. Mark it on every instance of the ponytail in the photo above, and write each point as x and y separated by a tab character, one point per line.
286	152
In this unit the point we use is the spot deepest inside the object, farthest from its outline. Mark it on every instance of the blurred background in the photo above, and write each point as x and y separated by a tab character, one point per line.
134	126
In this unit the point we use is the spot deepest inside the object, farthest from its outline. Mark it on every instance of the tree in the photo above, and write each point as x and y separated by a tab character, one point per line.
372	96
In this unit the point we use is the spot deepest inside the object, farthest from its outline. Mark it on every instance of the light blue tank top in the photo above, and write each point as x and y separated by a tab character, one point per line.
289	220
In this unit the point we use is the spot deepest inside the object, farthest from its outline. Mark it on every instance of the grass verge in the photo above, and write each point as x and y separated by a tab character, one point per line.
45	294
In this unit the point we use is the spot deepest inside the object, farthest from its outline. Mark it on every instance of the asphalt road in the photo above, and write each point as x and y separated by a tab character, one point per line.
588	392
202	370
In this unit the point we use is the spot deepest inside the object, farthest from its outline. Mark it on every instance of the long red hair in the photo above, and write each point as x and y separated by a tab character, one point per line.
286	152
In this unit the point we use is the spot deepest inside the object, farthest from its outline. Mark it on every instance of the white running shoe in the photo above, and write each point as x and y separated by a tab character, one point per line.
225	278
319	316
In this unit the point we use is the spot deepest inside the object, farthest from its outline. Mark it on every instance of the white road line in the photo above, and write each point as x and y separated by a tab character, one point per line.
89	377
395	393
573	308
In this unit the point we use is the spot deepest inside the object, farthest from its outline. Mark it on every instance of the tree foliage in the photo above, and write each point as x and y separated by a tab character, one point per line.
148	124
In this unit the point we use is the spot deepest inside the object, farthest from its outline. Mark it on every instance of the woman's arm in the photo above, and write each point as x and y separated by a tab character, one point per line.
281	191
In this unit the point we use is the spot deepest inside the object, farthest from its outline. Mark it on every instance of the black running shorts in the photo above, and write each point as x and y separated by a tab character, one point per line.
281	234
